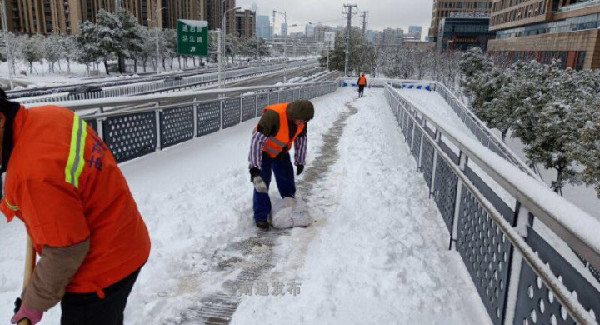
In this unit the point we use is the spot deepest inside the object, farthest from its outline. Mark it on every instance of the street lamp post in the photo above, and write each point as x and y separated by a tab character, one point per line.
157	44
222	43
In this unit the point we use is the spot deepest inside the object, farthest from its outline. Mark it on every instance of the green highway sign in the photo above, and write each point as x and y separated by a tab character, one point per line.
192	37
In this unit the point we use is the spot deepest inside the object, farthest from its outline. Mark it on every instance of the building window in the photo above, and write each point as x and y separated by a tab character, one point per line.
580	60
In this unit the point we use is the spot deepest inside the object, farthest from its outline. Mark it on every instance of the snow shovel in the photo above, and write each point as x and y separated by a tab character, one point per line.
29	265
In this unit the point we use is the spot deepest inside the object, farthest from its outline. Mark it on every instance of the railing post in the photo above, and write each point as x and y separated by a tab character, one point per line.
256	105
423	132
222	115
462	164
195	117
241	108
438	137
520	222
158	139
99	128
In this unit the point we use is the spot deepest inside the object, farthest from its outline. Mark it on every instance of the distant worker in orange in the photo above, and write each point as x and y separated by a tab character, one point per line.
361	83
63	182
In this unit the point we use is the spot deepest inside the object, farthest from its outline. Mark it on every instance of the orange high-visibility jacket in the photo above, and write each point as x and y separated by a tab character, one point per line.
65	185
275	145
362	81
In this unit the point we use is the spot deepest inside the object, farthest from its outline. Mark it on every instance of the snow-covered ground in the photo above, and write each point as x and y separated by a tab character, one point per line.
376	254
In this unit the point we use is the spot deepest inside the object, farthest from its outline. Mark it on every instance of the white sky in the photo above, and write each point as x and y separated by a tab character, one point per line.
382	13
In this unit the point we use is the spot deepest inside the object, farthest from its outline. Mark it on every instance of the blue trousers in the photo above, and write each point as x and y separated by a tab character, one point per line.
284	176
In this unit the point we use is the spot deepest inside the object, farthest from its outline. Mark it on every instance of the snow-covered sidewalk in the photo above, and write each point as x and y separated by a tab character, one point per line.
377	253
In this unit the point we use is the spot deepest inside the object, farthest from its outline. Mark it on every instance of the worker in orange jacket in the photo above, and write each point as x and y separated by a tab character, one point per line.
64	184
361	83
279	127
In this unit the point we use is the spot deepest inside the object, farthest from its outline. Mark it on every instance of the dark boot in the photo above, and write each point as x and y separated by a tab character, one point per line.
262	225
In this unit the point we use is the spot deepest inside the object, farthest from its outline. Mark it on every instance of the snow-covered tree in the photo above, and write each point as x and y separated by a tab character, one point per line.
363	57
52	47
587	149
491	103
32	50
557	127
88	41
529	92
472	64
13	51
170	51
252	48
70	49
118	35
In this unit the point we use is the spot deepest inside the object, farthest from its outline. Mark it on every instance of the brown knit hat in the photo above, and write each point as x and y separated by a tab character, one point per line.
301	110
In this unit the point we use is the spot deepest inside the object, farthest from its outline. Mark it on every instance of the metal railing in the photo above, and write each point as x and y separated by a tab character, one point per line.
139	131
158	86
482	132
520	277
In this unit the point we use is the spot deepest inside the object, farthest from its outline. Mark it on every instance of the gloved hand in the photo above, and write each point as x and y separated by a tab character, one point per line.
259	183
22	311
299	169
254	172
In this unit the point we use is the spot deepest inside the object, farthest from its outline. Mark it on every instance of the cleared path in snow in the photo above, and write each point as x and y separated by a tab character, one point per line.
376	254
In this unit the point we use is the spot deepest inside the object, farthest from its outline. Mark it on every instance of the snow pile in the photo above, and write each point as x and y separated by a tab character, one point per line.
378	251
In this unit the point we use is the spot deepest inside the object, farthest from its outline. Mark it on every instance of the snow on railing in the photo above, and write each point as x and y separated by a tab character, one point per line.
134	132
483	133
520	277
165	85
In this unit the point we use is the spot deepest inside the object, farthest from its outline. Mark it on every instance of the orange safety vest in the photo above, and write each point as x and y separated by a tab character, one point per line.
65	185
362	81
275	145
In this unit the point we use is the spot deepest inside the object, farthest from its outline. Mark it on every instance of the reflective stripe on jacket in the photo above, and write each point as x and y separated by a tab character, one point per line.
275	145
64	183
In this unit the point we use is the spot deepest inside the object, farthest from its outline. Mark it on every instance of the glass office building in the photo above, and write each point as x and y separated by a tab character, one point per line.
463	33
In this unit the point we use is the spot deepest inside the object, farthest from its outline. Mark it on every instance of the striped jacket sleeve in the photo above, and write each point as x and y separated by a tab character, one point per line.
256	146
300	145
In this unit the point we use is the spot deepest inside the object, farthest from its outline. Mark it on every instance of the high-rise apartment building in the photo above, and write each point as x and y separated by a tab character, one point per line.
309	31
457	8
245	24
215	12
263	27
415	31
548	29
390	36
64	16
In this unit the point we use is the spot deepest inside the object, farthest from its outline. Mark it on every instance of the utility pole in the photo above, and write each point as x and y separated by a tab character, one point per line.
364	25
349	33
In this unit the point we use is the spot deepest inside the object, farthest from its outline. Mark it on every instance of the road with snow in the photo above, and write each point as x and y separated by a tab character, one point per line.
376	254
